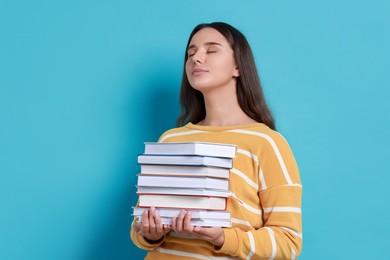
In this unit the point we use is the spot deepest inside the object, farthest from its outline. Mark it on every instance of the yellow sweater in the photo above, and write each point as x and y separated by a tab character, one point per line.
266	198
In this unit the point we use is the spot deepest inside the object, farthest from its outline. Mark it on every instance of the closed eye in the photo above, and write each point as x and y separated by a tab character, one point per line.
212	49
190	54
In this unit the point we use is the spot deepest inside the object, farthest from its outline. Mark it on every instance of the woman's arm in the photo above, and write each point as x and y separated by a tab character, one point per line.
281	236
280	194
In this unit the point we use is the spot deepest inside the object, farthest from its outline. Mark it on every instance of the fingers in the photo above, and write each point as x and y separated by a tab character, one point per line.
145	223
182	223
158	226
151	226
187	226
208	231
205	233
177	222
137	226
167	228
199	230
152	220
212	234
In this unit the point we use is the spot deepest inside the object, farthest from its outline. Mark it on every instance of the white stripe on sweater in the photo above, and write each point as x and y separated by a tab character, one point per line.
295	233
240	221
187	254
291	185
283	209
273	242
249	154
293	255
253	246
262	180
246	178
274	146
180	134
256	211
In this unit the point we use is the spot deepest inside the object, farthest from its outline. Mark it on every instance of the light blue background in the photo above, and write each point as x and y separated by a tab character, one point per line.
84	83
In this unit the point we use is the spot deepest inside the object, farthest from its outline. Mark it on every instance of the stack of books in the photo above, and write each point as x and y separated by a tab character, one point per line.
191	176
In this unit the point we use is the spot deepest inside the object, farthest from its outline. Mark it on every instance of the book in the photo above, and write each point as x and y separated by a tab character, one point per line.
198	222
196	214
191	148
195	160
169	170
183	182
183	191
182	202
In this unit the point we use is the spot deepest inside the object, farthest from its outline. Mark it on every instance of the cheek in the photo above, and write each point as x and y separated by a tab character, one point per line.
188	68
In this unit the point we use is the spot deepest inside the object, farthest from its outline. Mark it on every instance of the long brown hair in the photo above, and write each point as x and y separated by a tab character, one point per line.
249	91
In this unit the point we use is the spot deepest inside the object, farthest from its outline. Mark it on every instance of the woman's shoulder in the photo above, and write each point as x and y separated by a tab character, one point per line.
262	136
259	130
256	133
172	132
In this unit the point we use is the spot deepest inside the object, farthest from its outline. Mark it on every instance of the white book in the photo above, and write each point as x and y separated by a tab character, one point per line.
183	182
191	148
196	214
183	191
194	160
198	222
182	202
185	170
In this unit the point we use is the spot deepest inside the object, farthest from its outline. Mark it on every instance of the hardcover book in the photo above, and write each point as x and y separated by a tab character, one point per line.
199	222
194	160
172	170
183	191
196	214
183	182
191	148
182	202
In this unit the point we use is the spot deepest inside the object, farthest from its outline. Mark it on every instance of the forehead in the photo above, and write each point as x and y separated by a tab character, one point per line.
206	35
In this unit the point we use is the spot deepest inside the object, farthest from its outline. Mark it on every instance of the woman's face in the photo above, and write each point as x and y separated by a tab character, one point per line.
210	62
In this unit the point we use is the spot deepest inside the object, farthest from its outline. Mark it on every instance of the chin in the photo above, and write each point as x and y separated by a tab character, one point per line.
200	85
201	88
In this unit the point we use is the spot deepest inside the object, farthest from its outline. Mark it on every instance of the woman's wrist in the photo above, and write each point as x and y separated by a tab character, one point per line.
154	241
218	243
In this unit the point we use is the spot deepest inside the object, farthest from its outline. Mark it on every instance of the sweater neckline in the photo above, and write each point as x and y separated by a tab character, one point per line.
222	128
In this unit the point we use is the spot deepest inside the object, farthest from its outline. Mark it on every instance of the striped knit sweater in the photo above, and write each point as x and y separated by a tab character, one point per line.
265	204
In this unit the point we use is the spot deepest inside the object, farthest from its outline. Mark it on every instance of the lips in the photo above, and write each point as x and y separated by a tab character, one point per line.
198	72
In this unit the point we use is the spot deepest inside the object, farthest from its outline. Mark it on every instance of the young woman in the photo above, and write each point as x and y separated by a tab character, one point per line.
222	102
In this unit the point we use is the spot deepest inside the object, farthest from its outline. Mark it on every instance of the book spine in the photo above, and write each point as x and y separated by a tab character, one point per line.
186	208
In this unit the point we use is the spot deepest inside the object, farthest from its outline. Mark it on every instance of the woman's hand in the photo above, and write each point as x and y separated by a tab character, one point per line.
182	225
151	227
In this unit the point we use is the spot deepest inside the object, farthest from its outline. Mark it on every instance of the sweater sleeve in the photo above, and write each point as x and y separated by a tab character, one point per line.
280	194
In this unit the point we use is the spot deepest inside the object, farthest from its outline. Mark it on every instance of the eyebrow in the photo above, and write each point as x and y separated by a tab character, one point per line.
207	43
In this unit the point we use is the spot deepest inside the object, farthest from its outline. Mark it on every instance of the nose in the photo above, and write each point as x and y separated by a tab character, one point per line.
198	57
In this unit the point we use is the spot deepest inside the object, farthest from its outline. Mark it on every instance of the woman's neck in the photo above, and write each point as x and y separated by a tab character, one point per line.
223	109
